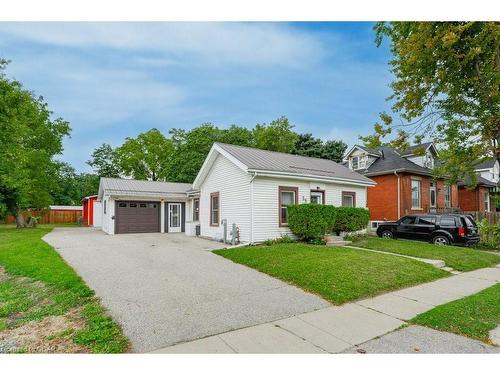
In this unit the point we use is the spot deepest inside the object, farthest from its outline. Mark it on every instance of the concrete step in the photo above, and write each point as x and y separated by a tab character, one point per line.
339	243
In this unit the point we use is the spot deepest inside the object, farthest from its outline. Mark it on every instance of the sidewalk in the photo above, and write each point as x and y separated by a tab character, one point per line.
338	328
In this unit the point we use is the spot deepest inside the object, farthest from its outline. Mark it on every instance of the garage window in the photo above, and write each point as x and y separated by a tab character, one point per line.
143	205
214	209
133	204
122	204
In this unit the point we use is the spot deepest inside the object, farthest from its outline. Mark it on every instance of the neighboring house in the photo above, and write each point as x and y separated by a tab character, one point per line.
248	187
405	184
480	198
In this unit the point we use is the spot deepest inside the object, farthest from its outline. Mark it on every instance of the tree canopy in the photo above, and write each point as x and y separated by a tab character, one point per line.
29	141
307	145
103	161
146	156
446	87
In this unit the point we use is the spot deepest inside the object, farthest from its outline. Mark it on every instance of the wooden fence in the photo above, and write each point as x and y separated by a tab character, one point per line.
50	216
492	217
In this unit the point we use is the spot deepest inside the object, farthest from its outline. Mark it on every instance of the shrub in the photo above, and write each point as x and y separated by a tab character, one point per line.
309	222
350	219
490	234
283	239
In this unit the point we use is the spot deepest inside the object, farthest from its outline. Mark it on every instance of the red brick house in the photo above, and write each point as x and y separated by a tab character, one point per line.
405	184
480	198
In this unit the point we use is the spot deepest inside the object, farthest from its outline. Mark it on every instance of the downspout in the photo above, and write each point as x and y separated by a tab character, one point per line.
399	195
251	207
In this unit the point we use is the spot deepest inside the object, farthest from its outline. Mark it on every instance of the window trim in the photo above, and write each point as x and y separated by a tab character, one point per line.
419	193
212	195
196	213
432	188
282	189
322	192
350	194
447	193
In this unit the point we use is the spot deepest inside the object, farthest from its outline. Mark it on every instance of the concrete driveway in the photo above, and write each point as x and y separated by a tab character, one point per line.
169	288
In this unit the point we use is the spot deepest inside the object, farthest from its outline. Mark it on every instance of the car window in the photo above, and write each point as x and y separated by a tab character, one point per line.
468	221
408	220
427	220
447	221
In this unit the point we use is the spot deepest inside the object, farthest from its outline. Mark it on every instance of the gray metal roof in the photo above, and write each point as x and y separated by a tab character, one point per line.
127	186
264	160
391	161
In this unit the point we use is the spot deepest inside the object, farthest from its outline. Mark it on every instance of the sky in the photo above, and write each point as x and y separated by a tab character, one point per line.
116	80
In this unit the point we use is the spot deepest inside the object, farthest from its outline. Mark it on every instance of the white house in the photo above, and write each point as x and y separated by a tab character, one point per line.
247	187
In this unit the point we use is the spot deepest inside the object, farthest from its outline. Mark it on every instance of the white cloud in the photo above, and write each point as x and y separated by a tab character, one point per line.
214	43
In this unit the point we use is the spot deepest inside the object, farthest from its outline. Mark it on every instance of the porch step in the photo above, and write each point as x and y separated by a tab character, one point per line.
336	241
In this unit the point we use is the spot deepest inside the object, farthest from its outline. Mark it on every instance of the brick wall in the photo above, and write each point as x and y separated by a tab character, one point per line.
383	199
472	200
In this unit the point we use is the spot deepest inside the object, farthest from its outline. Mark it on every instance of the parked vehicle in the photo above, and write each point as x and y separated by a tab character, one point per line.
439	229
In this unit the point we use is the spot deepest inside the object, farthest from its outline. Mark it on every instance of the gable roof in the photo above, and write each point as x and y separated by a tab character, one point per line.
391	161
123	186
281	164
485	164
425	146
370	151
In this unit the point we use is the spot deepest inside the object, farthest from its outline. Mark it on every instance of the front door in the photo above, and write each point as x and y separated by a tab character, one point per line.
174	217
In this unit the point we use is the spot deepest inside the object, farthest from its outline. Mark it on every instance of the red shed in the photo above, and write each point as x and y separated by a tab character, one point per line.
88	210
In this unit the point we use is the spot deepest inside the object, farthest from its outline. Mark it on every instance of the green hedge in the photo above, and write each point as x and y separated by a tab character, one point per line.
310	222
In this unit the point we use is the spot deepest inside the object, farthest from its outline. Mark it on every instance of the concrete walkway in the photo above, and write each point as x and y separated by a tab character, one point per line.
340	328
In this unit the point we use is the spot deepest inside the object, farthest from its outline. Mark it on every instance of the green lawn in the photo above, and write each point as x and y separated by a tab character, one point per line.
36	283
472	316
459	258
336	274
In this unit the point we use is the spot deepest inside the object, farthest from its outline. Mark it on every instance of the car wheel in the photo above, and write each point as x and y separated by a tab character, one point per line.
386	234
440	240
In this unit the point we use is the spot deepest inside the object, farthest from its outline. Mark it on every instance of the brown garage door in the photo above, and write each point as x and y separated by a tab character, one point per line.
137	217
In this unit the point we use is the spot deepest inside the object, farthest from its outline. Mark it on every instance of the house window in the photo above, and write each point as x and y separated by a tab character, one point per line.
318	196
432	193
196	209
447	196
214	209
354	162
348	199
287	197
486	201
415	193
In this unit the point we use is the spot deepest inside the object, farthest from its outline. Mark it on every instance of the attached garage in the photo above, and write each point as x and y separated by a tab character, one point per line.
137	217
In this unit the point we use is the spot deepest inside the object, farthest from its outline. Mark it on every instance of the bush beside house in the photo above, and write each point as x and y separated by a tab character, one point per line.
311	222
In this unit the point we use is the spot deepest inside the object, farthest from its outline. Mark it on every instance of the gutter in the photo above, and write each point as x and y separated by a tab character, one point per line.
399	193
313	177
251	206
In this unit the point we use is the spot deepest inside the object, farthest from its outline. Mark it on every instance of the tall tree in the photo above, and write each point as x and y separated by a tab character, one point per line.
71	187
277	136
103	161
447	86
145	157
307	145
29	140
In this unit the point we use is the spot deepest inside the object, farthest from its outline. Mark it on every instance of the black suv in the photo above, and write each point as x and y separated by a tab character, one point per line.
440	229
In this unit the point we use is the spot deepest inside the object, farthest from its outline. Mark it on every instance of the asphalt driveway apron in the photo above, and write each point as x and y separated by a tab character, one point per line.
169	288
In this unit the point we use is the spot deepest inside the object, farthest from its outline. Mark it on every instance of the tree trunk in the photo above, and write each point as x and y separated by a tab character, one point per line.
20	222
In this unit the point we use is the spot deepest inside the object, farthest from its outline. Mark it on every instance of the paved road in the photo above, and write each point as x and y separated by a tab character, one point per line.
168	288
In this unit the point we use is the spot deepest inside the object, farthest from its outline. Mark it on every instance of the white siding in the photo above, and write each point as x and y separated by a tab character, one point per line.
233	185
97	214
266	201
108	224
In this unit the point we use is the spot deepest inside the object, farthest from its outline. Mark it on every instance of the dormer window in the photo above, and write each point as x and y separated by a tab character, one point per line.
358	162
